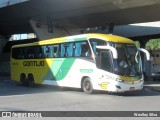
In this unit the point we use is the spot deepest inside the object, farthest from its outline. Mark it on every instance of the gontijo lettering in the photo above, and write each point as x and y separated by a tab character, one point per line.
33	63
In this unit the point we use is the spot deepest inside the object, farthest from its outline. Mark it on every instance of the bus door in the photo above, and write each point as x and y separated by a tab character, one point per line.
106	61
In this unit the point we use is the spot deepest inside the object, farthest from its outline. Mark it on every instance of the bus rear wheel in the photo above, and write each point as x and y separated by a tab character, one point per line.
23	79
87	86
30	80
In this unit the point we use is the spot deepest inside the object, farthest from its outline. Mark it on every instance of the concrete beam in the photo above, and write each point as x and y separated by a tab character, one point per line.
42	30
138	30
5	3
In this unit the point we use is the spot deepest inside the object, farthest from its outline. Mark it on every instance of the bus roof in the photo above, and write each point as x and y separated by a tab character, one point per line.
106	37
111	38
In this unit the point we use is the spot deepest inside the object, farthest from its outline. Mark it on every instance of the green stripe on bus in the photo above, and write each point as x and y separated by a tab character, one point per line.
75	39
86	70
53	69
80	39
59	69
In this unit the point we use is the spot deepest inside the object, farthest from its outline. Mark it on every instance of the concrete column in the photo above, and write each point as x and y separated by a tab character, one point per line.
3	41
4	58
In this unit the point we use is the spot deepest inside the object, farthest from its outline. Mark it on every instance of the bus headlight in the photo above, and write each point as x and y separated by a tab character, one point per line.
119	80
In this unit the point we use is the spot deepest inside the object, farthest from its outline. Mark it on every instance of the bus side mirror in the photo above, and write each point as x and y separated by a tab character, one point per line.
146	52
112	49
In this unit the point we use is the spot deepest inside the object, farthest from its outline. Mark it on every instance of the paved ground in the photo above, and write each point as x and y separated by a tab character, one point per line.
154	85
49	98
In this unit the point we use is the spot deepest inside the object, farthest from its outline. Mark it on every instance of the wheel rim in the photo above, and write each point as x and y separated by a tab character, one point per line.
87	86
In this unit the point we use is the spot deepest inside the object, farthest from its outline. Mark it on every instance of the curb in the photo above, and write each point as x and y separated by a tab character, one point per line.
153	89
157	90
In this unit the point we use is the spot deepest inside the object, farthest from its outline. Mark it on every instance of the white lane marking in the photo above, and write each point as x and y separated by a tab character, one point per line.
13	95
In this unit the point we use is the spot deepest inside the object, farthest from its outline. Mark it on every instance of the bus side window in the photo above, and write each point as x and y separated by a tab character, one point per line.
44	51
51	51
86	50
70	50
62	50
56	51
19	53
94	46
16	53
47	51
37	51
31	52
96	42
78	49
25	52
40	54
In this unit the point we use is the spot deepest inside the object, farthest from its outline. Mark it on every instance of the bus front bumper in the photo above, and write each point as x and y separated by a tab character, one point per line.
121	86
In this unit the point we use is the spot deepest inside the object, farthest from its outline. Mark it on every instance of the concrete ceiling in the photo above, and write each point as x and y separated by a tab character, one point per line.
77	14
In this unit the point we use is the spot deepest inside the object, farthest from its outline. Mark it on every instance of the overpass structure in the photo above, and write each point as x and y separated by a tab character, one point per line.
54	18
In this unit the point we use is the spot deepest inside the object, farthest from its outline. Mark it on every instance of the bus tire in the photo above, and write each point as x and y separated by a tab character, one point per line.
30	80
23	79
87	86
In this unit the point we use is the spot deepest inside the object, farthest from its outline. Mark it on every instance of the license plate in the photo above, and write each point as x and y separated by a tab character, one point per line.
132	88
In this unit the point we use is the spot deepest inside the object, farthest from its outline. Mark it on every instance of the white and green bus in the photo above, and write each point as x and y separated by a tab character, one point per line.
88	61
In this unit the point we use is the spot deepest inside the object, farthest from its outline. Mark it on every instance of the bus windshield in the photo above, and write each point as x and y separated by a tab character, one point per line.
129	61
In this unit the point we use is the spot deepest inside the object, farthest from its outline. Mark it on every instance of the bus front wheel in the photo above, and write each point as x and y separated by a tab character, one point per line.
87	86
